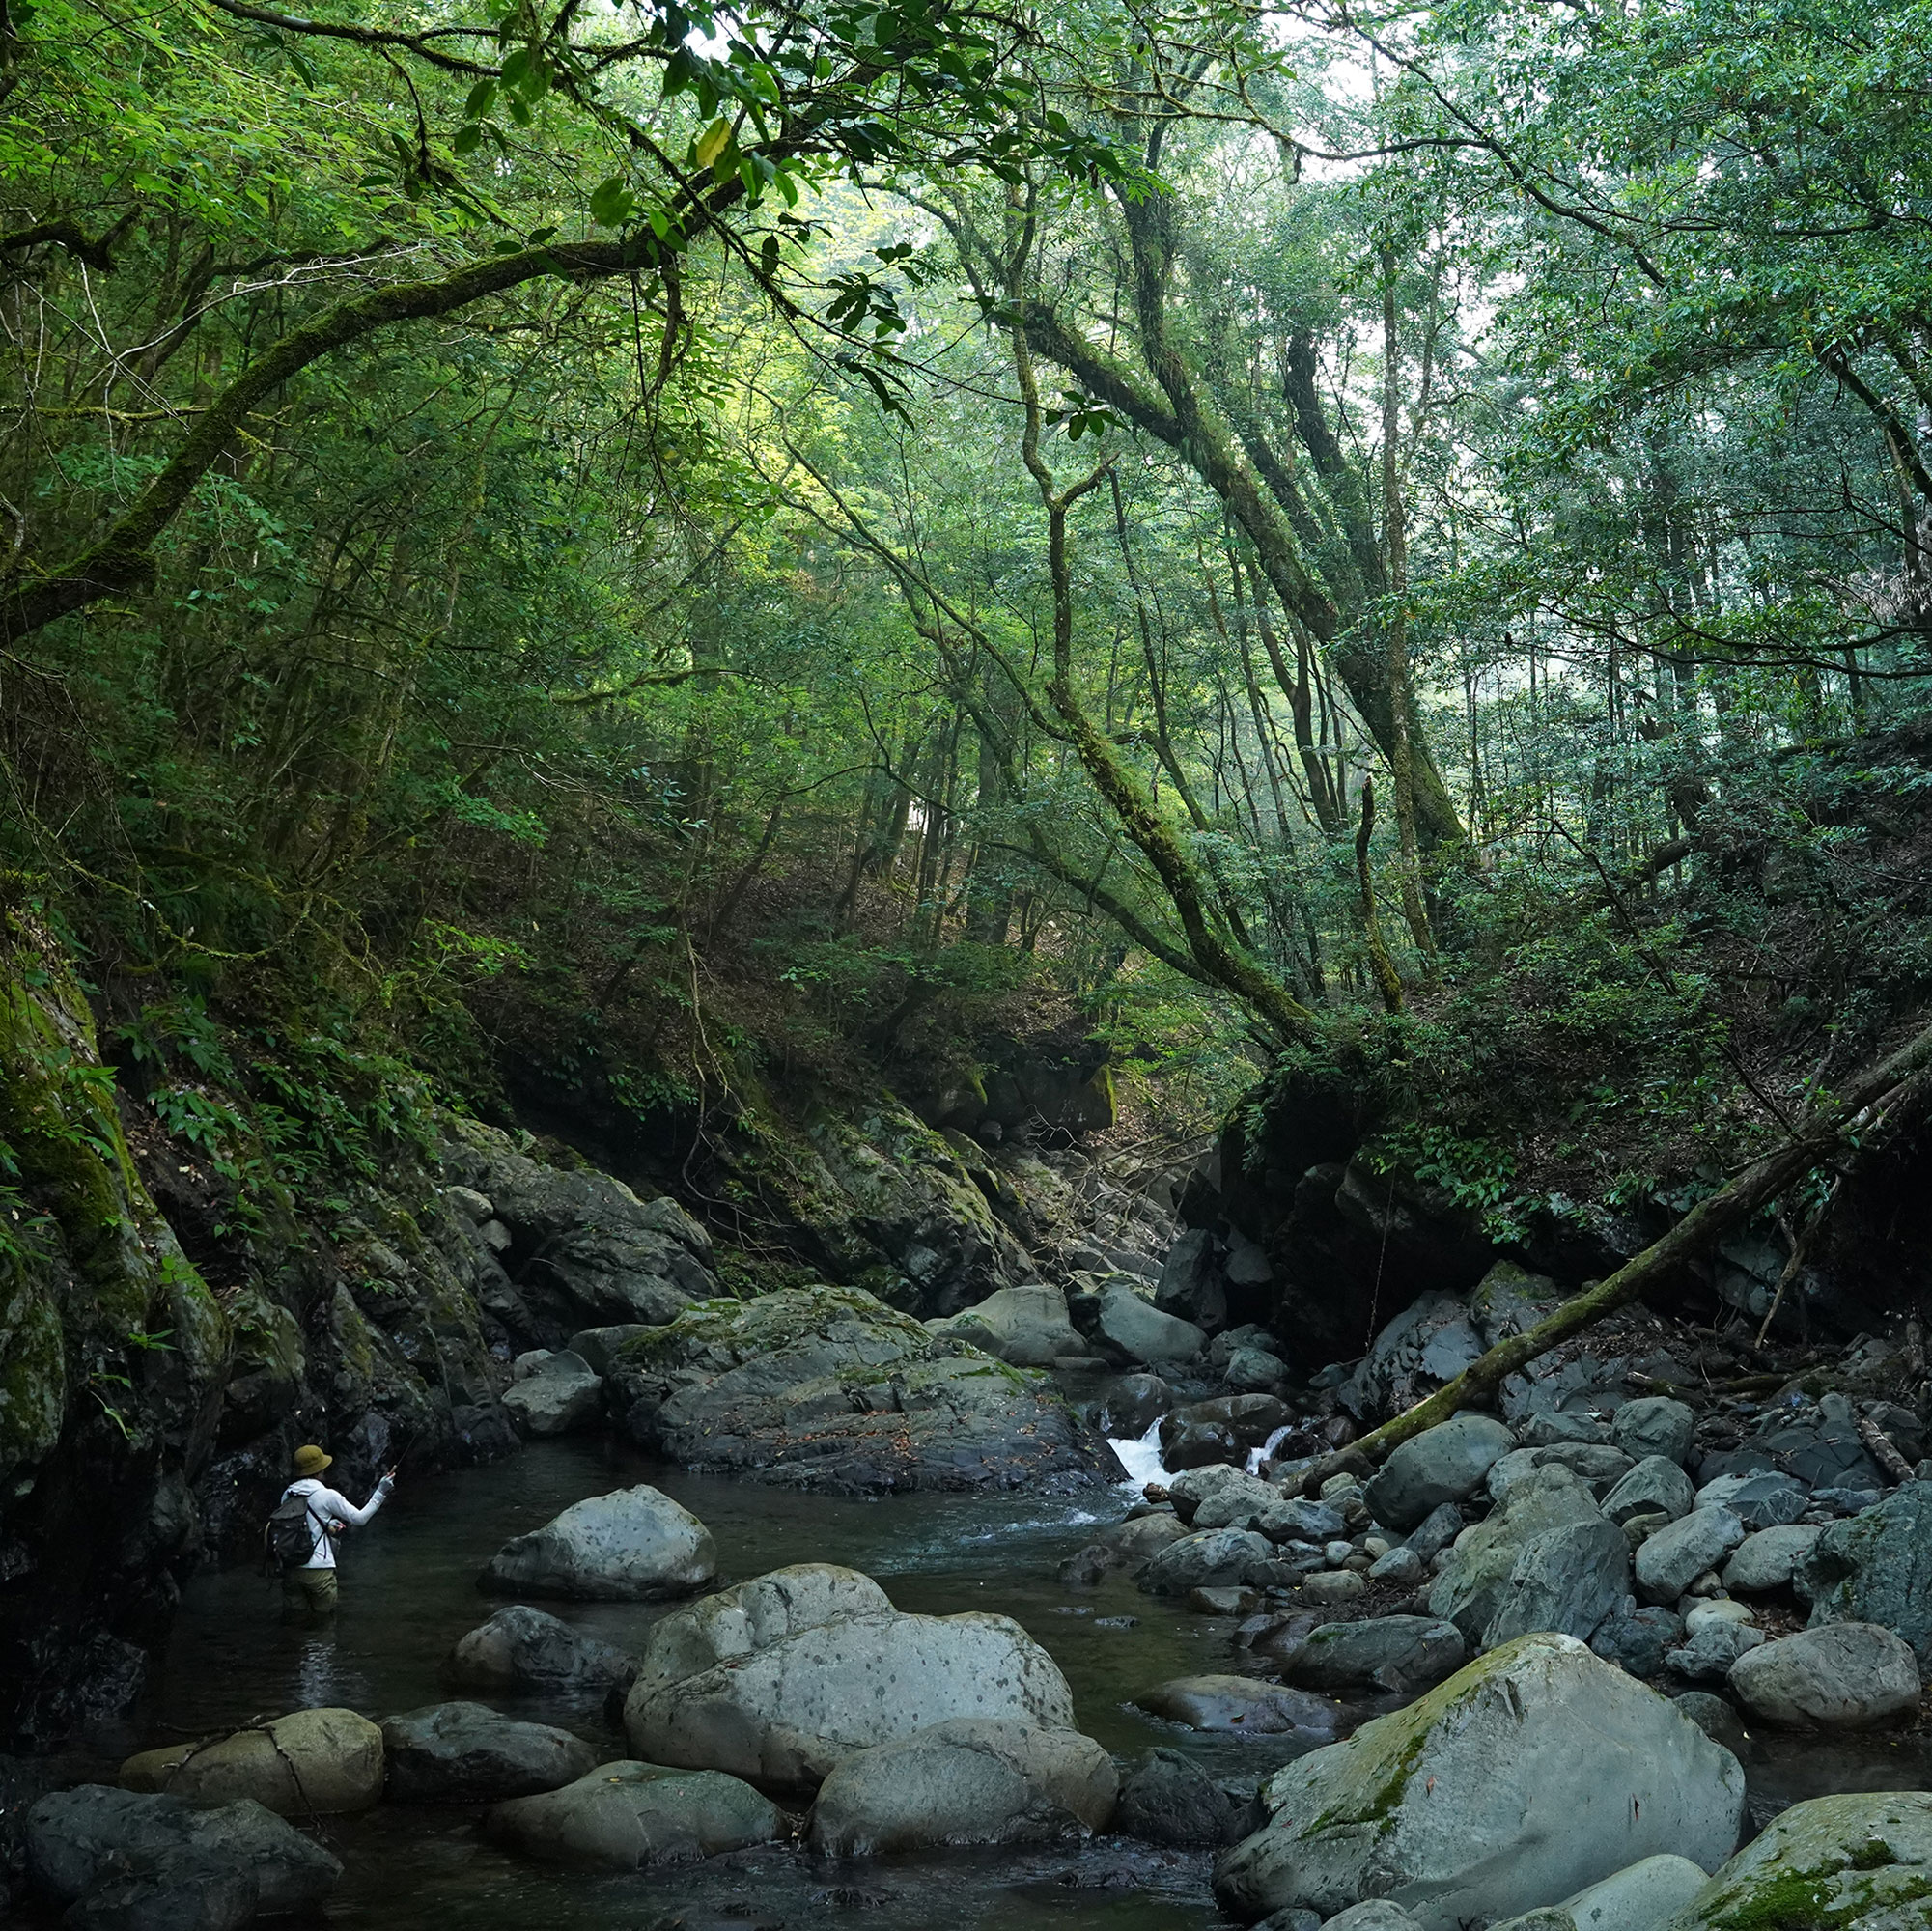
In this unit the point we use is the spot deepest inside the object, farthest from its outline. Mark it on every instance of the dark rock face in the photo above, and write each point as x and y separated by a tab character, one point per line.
1169	1799
1428	1343
522	1648
1876	1568
829	1389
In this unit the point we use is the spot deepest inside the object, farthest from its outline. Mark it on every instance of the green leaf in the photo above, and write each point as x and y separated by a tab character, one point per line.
611	203
712	143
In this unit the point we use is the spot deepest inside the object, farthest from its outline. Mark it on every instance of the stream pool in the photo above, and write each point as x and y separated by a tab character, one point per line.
408	1590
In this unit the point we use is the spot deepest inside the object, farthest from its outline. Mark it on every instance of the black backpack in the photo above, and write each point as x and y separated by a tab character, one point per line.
289	1537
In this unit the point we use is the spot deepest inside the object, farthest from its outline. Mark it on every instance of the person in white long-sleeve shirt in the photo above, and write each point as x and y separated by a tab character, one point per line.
310	1588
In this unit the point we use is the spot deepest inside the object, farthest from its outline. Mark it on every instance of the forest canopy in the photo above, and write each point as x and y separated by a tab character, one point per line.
706	544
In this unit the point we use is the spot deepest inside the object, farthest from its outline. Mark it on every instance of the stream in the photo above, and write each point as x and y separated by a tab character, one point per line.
410	1590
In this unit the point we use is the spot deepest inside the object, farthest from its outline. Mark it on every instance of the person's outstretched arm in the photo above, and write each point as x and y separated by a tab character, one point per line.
333	1504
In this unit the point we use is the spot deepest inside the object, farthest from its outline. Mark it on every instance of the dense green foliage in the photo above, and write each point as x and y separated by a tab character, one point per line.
686	550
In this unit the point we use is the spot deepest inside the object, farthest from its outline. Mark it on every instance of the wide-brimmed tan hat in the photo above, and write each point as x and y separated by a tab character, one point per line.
311	1461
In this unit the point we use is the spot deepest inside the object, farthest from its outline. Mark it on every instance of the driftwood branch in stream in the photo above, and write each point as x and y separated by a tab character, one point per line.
1876	1101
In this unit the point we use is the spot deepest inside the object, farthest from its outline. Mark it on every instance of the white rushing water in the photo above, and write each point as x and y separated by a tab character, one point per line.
1140	1459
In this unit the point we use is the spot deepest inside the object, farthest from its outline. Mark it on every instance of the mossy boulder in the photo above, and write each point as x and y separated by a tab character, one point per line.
1533	1772
1860	1861
829	1388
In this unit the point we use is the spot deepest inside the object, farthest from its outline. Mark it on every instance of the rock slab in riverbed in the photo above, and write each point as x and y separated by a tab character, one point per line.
628	1816
970	1780
1532	1773
1026	1327
522	1648
1442	1464
631	1546
829	1389
468	1753
1640	1898
1845	1676
1242	1705
560	1394
1860	1861
320	1762
782	1676
1876	1568
1400	1654
139	1853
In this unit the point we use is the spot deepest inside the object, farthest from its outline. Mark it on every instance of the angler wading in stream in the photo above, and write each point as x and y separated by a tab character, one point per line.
302	1533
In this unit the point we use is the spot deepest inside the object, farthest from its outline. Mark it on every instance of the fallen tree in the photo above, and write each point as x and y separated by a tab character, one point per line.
1875	1104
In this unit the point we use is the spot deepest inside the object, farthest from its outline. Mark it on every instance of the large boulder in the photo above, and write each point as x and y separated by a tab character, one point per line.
1654	1486
1219	1497
583	1250
626	1816
1025	1325
83	1839
1655	1425
1670	1561
522	1648
1876	1568
561	1393
312	1761
1442	1464
1430	1342
1243	1704
1861	1861
1595	1464
468	1754
968	1780
630	1546
1217	1558
1399	1655
1770	1559
1134	1326
1169	1799
1640	1898
1568	1579
1531	1772
1498	1562
1845	1676
827	1387
780	1677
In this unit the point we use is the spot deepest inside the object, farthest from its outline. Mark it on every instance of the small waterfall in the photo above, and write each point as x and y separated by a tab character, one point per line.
1141	1459
1257	1456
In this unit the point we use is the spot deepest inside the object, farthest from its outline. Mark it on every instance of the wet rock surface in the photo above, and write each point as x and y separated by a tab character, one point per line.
466	1752
635	1545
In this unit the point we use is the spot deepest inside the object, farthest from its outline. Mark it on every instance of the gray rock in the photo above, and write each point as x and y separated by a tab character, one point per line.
829	1389
598	1346
1401	1566
1140	1536
1568	1579
1291	1920
1643	1897
1637	1641
1219	1497
1852	1862
1474	1580
1430	1342
1376	1915
1331	1589
1655	1425
1769	1559
318	1762
1252	1370
970	1780
1673	1559
77	1839
1169	1799
468	1754
562	1392
1141	1333
1718	1721
1296	1520
1655	1486
1134	1404
1534	1772
1191	1283
1401	1654
1025	1325
1876	1568
1597	1465
781	1676
1218	1558
1544	1430
1438	1529
1711	1650
1766	1500
1442	1464
1242	1703
630	1546
1845	1676
630	1816
522	1648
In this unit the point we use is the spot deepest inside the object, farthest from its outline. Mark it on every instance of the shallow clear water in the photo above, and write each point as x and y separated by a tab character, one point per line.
408	1590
